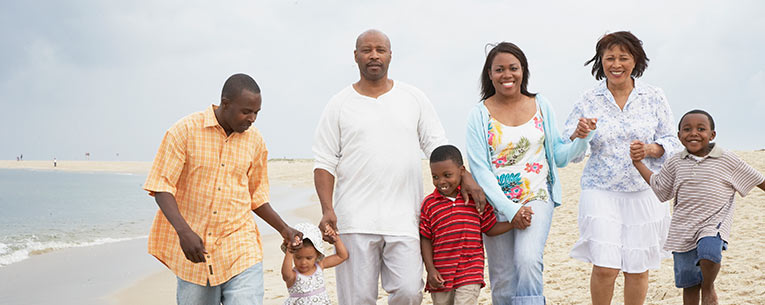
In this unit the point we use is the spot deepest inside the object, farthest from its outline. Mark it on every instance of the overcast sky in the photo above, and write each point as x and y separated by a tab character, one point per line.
110	77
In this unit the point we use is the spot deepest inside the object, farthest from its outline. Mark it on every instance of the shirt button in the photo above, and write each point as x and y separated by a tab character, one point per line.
222	164
209	234
219	188
215	212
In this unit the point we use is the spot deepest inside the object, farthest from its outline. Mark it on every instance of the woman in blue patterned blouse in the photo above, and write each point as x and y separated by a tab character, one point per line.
622	225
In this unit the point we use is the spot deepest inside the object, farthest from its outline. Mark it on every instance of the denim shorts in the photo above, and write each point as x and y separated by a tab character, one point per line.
687	270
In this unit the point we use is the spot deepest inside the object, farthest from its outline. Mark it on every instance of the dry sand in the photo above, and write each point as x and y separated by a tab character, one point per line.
566	280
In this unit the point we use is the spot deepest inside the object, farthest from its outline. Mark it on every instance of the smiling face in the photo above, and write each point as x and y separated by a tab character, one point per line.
447	176
506	74
239	114
617	65
695	134
305	258
373	55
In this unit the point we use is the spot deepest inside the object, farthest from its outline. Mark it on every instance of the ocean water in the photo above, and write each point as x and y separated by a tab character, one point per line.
43	211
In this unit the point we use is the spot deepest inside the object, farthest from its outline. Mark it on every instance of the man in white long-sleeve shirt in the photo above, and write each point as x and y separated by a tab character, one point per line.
368	154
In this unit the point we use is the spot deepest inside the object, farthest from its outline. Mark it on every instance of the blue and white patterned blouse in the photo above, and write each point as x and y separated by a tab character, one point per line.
646	117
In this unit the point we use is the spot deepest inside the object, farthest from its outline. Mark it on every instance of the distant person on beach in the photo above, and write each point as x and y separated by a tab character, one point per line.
514	149
450	233
622	225
209	173
303	269
370	140
54	161
703	180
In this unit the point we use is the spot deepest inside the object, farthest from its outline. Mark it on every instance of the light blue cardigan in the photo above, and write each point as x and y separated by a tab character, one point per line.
558	150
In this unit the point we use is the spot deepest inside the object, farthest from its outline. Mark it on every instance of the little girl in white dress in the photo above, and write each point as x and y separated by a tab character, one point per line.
302	270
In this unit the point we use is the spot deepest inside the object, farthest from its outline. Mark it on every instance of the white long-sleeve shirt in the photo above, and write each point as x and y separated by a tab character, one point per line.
373	149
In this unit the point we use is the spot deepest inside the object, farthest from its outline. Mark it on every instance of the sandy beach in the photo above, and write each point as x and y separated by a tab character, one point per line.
123	273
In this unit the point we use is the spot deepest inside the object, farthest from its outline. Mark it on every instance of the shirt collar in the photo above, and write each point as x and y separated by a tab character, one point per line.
210	120
716	152
640	87
438	194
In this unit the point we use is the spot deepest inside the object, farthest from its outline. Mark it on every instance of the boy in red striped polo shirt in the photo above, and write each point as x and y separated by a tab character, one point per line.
450	233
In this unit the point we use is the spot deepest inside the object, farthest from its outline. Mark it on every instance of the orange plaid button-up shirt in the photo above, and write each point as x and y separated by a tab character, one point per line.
217	182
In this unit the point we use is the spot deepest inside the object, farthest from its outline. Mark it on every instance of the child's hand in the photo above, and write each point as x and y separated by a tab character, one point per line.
329	235
435	280
637	150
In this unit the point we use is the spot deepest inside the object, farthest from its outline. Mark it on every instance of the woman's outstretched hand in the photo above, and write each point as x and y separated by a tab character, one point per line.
584	127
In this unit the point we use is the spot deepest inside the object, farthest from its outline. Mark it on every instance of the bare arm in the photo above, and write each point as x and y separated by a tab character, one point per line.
434	277
275	221
335	259
288	273
762	185
638	151
191	244
499	228
325	186
470	187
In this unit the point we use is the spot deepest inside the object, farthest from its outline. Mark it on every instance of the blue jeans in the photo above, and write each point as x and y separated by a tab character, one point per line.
515	259
245	288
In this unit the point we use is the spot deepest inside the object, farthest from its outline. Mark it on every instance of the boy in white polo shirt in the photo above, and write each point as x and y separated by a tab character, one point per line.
703	180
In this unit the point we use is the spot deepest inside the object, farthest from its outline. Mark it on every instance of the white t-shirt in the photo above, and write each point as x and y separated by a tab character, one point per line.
373	148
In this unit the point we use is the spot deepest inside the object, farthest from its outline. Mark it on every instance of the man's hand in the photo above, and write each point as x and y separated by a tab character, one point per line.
584	127
434	279
522	218
293	238
470	189
192	246
328	220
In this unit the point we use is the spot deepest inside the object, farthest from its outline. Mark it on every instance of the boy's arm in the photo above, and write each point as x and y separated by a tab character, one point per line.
292	236
288	274
434	278
499	228
638	151
644	171
762	185
335	259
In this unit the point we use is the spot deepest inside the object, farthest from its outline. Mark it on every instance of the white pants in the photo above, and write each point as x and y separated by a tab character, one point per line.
395	260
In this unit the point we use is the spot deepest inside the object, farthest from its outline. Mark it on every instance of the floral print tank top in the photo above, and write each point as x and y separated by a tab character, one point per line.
518	158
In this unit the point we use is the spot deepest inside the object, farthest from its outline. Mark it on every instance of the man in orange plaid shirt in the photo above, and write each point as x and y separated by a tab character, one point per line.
209	173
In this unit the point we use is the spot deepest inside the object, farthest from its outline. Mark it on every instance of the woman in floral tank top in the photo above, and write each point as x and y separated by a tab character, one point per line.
514	149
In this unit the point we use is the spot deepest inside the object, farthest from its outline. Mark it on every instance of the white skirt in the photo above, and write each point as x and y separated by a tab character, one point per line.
622	230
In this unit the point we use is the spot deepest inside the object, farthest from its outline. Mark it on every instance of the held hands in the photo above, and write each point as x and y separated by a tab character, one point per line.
638	150
329	234
584	127
522	218
434	279
192	246
328	221
293	239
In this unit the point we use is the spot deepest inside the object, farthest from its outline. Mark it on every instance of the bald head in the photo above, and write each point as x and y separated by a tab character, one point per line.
372	34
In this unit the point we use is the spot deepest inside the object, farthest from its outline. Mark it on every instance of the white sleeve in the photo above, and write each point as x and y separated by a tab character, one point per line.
429	128
326	141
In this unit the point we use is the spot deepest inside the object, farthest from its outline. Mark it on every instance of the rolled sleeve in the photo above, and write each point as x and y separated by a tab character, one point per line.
168	163
662	183
429	128
326	144
258	177
666	134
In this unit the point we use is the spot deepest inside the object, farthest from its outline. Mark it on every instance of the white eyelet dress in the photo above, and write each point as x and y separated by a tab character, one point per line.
308	289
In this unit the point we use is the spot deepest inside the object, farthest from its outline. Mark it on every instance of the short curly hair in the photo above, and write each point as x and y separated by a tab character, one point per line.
626	40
